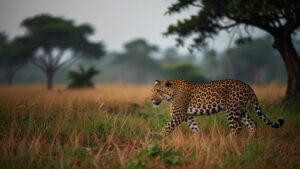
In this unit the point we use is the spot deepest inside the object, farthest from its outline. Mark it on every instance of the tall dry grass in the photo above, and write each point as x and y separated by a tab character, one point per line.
109	93
105	94
271	93
114	126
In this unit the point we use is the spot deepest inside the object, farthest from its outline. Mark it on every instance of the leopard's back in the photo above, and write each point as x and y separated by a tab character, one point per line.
209	98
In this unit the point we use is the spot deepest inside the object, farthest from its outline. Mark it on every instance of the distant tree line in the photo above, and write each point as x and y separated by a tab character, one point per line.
142	62
55	45
251	61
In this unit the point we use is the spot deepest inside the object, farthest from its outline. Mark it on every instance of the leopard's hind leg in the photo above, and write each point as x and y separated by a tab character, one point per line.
232	116
247	121
192	124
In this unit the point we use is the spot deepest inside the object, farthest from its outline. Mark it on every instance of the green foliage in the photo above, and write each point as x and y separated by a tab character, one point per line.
171	56
249	157
17	162
251	61
13	55
243	40
49	32
152	152
266	15
254	62
100	126
82	78
291	102
251	151
160	120
78	155
136	61
183	71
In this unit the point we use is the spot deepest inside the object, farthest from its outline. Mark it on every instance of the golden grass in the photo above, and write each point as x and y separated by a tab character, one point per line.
271	93
112	126
59	95
104	94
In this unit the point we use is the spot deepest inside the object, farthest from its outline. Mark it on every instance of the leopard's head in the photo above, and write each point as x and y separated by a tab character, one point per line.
162	90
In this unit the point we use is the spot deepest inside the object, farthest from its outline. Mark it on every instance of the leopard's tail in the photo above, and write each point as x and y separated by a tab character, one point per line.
263	117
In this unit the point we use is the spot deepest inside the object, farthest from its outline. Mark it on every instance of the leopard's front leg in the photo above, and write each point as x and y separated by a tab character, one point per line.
175	120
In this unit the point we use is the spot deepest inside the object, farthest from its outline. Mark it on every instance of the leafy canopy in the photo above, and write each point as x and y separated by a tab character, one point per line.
50	32
15	52
213	16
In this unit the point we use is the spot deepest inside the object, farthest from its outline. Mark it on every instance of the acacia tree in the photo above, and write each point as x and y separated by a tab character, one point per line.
279	18
13	55
57	41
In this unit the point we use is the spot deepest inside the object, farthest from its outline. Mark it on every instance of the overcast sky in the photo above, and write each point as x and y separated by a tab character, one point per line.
115	21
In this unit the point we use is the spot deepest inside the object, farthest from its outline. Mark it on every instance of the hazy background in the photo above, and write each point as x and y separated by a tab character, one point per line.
141	23
115	21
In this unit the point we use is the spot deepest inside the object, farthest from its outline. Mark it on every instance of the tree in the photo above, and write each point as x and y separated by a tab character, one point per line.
171	55
3	44
13	55
57	41
82	78
279	18
254	62
136	60
210	65
183	70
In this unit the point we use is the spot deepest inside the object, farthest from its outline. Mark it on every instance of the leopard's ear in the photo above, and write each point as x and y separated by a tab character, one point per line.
168	84
156	82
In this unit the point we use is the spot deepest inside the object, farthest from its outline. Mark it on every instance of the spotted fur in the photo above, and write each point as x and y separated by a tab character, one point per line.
189	100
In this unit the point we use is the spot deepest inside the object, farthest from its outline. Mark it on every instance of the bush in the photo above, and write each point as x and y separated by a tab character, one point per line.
82	78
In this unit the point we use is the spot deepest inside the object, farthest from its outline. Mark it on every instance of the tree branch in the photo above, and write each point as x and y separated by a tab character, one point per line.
253	22
229	26
248	19
58	58
64	63
48	58
197	5
35	62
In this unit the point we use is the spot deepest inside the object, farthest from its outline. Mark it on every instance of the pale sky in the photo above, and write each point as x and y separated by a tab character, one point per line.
115	21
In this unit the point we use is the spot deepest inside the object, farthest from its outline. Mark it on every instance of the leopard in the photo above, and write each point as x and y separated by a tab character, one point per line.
188	100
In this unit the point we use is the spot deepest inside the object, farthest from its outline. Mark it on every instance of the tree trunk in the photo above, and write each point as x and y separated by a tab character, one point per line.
283	43
49	74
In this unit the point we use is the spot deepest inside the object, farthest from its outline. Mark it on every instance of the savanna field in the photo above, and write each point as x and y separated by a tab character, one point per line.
115	126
